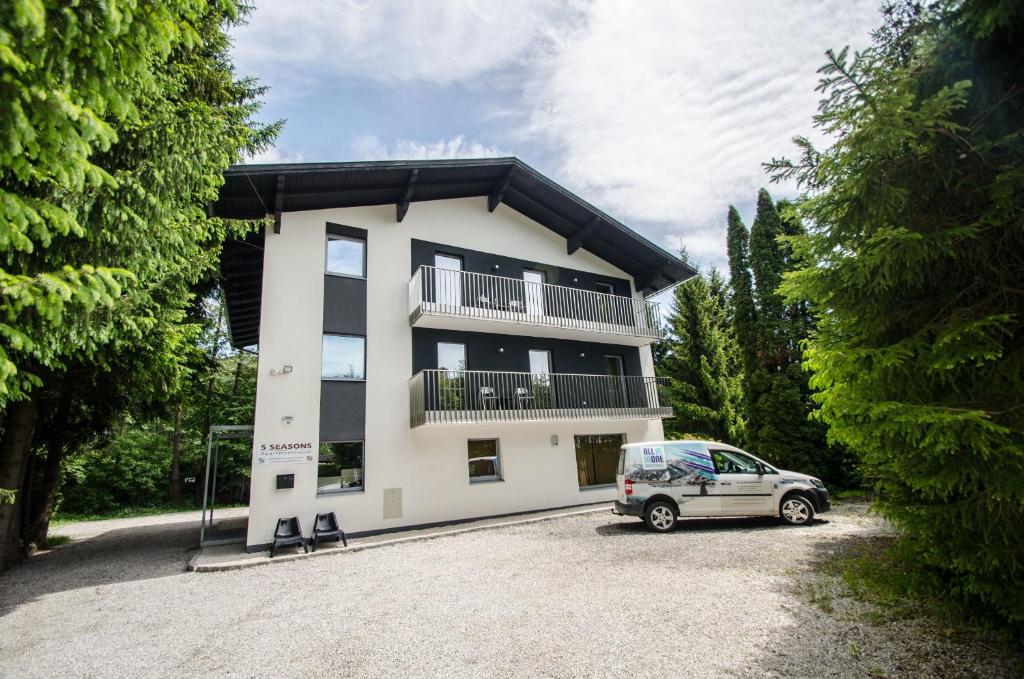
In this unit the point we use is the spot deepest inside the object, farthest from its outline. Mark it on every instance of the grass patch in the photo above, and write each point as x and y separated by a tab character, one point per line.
853	495
57	540
128	513
880	571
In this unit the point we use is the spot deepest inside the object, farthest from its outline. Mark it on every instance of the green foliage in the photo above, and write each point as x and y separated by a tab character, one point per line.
127	468
7	496
118	122
701	360
914	260
776	391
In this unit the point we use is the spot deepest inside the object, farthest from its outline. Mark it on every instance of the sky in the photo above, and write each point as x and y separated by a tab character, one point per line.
659	113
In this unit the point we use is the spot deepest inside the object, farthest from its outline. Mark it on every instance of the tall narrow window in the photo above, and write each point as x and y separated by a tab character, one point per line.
484	464
343	358
346	256
340	466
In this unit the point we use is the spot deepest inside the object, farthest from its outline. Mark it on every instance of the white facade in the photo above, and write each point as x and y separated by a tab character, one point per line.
429	463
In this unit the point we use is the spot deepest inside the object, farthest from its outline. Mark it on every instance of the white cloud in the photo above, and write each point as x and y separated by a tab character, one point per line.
393	41
369	147
663	112
275	155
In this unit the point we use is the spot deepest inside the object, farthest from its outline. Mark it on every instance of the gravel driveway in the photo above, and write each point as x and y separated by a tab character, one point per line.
586	595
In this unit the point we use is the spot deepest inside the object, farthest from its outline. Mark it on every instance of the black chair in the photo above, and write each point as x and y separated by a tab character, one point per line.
288	534
326	528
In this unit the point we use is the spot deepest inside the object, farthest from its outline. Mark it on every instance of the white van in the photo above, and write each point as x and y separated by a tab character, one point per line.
662	480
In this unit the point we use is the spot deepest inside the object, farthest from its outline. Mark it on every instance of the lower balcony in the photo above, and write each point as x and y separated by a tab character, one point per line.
466	396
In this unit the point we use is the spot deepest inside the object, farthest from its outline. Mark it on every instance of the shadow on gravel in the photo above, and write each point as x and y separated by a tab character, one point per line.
723	525
116	556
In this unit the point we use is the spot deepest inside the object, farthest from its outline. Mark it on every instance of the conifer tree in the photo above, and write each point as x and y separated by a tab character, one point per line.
700	358
913	259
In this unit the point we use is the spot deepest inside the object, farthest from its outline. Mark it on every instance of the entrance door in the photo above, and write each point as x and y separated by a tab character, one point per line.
616	381
534	291
597	458
540	378
743	490
603	303
448	280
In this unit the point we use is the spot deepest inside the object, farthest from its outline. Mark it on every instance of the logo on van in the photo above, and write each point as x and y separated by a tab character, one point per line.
654	458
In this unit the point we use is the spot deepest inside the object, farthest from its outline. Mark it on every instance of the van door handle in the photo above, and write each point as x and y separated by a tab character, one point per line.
726	483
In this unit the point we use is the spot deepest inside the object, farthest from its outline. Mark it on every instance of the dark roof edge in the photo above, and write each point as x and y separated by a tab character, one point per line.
305	168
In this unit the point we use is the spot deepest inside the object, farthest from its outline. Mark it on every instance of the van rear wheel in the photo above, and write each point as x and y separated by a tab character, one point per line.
660	517
796	510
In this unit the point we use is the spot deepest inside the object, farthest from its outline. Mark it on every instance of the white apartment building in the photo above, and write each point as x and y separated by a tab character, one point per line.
438	341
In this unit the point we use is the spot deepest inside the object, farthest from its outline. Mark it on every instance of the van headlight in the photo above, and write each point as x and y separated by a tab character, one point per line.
817	484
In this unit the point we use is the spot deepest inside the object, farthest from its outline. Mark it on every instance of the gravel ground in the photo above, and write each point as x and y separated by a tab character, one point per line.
587	595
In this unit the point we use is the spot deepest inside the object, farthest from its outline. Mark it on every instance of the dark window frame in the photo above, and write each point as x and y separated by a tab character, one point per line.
489	478
341	274
323	345
362	471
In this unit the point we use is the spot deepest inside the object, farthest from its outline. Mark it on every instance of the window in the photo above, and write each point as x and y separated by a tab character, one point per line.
344	358
346	256
729	462
605	288
340	467
597	457
484	463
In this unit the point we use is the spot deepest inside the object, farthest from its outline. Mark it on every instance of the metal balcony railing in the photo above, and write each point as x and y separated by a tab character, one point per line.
453	396
475	295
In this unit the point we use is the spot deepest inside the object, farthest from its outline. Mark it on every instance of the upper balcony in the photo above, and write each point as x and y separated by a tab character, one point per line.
475	302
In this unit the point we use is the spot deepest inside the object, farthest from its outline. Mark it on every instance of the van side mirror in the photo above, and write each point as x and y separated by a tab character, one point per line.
760	469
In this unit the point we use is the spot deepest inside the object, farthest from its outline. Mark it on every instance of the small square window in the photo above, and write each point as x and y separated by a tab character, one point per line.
484	462
340	467
346	256
344	358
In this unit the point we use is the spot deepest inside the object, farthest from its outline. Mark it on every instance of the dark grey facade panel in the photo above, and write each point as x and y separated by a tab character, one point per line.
342	411
345	230
343	404
476	261
482	352
344	305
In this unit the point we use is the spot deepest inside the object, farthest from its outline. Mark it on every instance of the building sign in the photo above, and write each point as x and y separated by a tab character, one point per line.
654	458
285	453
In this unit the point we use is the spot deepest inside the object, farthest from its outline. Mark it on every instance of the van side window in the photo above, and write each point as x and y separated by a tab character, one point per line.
729	462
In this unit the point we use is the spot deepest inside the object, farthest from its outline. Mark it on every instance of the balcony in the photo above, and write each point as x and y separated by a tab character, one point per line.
465	396
461	300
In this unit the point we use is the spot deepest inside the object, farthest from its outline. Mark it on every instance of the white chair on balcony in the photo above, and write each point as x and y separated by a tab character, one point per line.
487	395
515	305
522	395
484	301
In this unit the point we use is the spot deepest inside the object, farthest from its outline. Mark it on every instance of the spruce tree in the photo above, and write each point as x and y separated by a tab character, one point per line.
700	360
913	261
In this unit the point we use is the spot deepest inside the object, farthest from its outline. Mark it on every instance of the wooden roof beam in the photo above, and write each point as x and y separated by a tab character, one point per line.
498	193
645	278
403	202
575	241
278	203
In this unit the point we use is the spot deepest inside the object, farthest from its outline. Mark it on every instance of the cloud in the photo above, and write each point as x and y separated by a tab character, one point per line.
394	41
275	155
662	112
369	147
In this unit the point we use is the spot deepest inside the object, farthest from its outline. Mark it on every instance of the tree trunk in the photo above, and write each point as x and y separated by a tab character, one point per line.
176	456
42	509
15	450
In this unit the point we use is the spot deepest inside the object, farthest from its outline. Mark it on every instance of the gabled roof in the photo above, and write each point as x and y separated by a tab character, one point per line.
255	191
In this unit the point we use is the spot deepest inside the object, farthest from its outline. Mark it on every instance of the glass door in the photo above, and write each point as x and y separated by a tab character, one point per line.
448	280
540	379
451	376
616	382
534	290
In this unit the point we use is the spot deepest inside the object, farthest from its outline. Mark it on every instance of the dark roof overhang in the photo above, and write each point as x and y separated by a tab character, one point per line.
258	191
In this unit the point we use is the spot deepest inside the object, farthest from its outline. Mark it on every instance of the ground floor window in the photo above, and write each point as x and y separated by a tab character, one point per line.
484	462
340	466
597	456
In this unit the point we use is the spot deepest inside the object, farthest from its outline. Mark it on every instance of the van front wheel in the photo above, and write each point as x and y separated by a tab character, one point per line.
660	517
796	510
